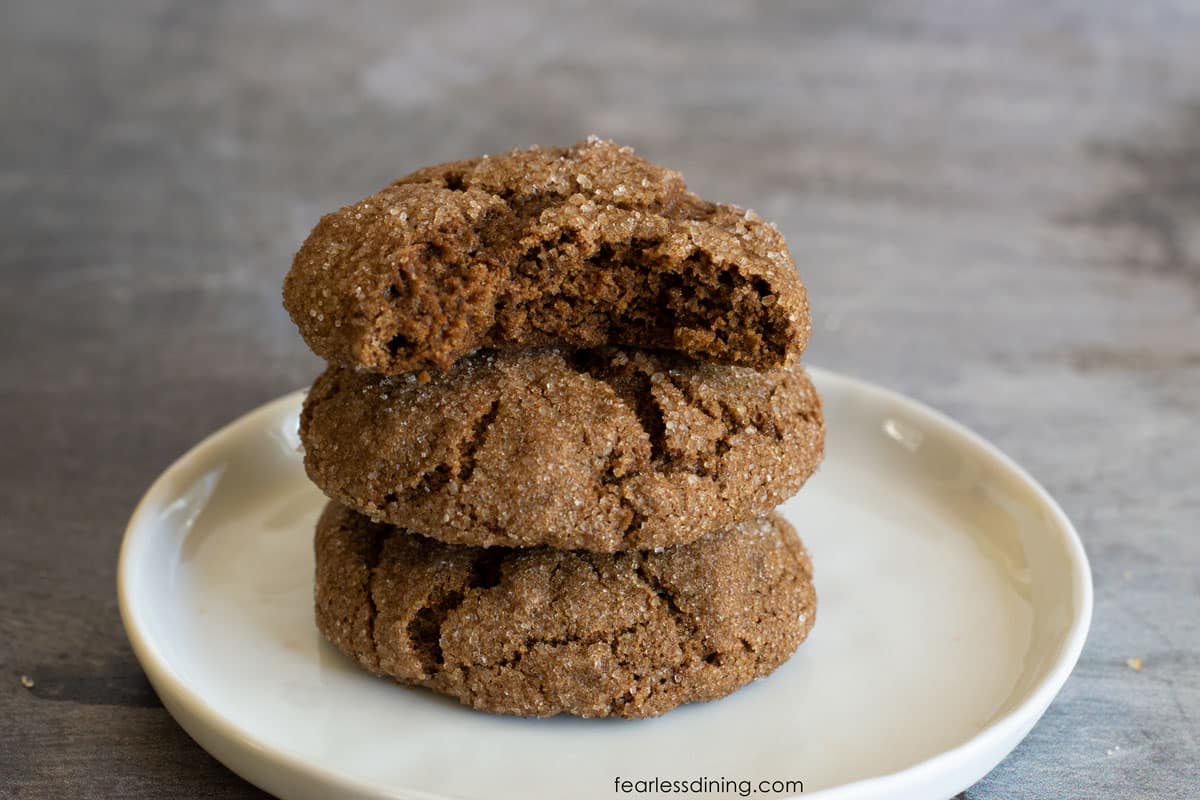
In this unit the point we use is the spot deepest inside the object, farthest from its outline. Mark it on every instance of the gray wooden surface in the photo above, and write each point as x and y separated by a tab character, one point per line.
996	208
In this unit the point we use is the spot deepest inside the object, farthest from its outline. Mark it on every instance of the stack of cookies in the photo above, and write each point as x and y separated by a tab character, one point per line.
562	401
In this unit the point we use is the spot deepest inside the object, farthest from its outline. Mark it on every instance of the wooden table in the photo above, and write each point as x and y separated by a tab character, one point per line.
996	211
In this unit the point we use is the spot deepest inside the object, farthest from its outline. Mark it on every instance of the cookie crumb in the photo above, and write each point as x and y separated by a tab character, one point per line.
1134	664
27	681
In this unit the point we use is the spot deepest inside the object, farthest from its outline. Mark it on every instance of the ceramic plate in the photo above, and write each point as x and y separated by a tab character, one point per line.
954	600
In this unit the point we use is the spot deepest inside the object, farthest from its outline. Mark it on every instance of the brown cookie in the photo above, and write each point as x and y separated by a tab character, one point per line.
538	632
583	246
600	450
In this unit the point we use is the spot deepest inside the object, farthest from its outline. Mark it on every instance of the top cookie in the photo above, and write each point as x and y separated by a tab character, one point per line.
580	246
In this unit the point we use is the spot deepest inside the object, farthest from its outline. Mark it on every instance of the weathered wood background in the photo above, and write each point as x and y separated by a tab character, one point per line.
996	207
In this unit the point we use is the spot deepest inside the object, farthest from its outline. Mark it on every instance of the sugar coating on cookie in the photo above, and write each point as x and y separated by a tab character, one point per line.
539	632
583	246
604	450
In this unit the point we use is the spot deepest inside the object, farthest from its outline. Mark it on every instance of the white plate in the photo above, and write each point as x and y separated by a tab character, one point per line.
954	600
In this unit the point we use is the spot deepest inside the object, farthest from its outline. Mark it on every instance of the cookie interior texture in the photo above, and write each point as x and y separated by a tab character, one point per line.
605	450
539	632
583	246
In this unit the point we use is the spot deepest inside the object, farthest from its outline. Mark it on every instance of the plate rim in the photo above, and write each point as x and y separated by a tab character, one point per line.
1012	725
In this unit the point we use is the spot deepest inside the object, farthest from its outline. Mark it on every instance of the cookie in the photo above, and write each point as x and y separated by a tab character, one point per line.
603	450
539	632
581	246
